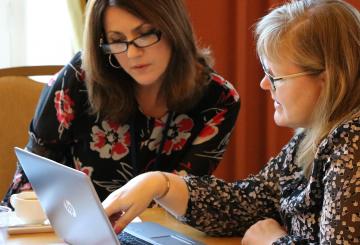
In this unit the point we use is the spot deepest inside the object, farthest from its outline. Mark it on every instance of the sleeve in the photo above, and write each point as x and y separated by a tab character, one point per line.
291	240
218	115
50	131
219	208
340	215
340	212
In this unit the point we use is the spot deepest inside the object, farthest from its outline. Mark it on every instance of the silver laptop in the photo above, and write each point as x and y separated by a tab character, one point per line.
75	211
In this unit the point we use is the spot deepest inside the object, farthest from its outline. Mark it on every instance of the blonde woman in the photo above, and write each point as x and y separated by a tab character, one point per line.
310	192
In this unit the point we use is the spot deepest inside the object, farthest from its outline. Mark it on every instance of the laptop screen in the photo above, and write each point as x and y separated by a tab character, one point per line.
75	211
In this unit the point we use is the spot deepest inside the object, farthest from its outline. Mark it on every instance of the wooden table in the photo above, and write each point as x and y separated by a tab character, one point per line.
157	215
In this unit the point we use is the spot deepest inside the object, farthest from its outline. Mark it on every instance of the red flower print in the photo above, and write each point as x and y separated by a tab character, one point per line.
177	135
18	183
220	80
232	92
64	110
111	141
187	165
26	187
17	179
210	128
79	166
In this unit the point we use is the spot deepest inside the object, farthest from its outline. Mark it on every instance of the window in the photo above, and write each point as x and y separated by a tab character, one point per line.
35	32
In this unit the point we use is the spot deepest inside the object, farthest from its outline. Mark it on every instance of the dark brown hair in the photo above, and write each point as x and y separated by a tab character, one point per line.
111	91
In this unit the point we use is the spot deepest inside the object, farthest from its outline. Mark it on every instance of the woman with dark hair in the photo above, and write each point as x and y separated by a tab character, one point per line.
310	192
141	96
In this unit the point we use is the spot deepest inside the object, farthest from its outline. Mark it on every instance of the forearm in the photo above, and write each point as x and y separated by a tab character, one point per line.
219	208
129	201
176	199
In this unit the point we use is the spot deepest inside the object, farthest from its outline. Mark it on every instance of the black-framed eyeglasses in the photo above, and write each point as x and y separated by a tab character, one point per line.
275	80
145	40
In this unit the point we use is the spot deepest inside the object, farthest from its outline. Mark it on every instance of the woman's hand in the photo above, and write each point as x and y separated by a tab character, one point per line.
263	232
124	204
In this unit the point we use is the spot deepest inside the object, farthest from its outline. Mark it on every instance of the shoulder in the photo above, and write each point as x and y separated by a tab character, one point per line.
68	84
219	93
351	128
338	159
74	67
71	74
220	84
344	134
341	146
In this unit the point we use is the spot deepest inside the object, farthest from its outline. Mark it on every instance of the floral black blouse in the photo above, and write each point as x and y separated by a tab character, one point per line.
190	143
321	209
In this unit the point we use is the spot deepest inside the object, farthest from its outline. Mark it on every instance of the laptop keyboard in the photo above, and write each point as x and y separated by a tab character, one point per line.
128	239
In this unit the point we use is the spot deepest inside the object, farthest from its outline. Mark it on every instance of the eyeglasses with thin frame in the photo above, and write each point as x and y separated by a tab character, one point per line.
145	40
275	80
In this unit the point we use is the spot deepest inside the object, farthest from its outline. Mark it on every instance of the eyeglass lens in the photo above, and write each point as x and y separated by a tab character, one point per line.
143	41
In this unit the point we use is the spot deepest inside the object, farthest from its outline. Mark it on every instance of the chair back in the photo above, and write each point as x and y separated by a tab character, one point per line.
18	98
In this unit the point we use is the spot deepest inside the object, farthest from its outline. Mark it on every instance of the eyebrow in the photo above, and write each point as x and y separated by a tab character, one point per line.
136	30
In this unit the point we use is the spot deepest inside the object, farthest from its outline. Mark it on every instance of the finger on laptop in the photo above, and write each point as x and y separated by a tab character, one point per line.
114	217
125	219
114	203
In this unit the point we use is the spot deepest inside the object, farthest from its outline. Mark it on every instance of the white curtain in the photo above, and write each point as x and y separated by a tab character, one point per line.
12	24
35	32
76	9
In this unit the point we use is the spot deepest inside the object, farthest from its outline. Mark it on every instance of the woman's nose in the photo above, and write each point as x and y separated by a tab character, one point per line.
265	83
133	51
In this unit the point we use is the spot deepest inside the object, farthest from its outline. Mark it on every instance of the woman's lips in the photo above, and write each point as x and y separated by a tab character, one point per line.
276	104
139	67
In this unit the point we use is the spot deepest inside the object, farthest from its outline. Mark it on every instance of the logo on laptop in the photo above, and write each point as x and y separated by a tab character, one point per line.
69	208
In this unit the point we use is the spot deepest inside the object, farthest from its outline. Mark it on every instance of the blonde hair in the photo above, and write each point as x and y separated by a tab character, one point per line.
111	91
317	35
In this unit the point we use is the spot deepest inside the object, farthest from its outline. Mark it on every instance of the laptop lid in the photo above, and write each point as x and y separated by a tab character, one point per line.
75	212
69	200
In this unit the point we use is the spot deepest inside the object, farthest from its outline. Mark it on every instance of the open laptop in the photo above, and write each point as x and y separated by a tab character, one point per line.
76	213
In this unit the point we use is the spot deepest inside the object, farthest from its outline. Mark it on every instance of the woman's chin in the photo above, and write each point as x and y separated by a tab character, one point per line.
279	120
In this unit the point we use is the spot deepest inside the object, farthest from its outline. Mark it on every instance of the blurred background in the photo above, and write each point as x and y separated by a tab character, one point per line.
43	32
227	27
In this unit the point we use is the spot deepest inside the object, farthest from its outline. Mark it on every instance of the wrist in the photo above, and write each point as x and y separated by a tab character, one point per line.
164	183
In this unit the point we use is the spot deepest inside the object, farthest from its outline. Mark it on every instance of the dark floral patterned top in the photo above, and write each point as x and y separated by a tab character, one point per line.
321	209
62	130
